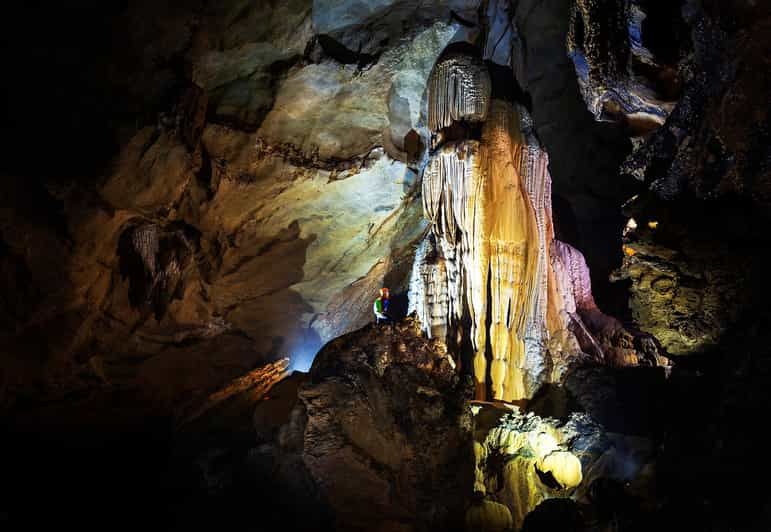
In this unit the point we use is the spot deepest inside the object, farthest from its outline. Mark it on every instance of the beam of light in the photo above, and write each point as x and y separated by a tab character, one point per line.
302	356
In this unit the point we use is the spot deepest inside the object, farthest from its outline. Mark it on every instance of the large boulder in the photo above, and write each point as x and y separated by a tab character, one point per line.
387	434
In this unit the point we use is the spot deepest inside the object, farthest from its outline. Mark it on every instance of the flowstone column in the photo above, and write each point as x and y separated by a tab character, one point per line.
490	270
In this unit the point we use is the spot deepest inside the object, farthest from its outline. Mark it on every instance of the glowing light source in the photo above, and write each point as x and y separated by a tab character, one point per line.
631	225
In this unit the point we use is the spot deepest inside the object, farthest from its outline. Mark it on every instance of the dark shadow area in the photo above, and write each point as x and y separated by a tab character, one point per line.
149	479
341	54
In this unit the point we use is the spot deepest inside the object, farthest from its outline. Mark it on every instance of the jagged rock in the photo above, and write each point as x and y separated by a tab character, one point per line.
685	291
603	336
501	34
386	436
714	143
624	72
366	27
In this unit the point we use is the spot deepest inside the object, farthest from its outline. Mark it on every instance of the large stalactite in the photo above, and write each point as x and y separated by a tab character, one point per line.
491	268
461	85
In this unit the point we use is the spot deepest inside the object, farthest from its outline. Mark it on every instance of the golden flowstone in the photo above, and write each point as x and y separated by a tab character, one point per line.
487	232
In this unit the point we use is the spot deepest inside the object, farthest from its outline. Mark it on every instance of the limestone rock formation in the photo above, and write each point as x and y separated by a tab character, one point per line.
363	28
459	91
192	191
706	175
265	193
626	71
385	433
523	460
488	202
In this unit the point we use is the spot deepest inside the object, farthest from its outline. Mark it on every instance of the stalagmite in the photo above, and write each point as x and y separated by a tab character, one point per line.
515	455
491	267
459	89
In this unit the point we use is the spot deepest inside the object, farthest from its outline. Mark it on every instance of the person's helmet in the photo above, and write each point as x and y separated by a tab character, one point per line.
384	292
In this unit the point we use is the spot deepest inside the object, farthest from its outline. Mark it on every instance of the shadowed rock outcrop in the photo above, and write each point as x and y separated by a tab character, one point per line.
387	435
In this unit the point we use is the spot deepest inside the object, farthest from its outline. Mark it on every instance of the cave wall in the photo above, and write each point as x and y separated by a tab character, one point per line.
248	136
691	251
231	184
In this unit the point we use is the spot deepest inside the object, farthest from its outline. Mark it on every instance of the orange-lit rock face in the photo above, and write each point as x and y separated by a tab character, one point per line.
488	211
492	256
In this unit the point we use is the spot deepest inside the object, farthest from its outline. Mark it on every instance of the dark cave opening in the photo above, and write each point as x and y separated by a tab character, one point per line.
663	31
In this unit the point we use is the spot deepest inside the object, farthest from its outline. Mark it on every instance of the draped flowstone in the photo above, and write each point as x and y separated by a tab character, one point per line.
459	89
490	267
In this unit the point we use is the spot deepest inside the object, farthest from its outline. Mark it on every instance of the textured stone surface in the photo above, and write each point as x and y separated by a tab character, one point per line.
271	188
387	438
585	154
624	72
715	142
368	26
707	174
523	460
686	291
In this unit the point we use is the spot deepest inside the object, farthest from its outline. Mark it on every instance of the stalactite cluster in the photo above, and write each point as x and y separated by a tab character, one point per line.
488	202
145	241
491	267
461	86
153	259
428	289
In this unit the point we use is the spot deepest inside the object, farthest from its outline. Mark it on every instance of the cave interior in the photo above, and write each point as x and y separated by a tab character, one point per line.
567	199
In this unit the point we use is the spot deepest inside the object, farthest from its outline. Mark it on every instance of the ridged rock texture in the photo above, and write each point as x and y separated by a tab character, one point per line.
625	70
488	203
259	189
385	431
460	90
